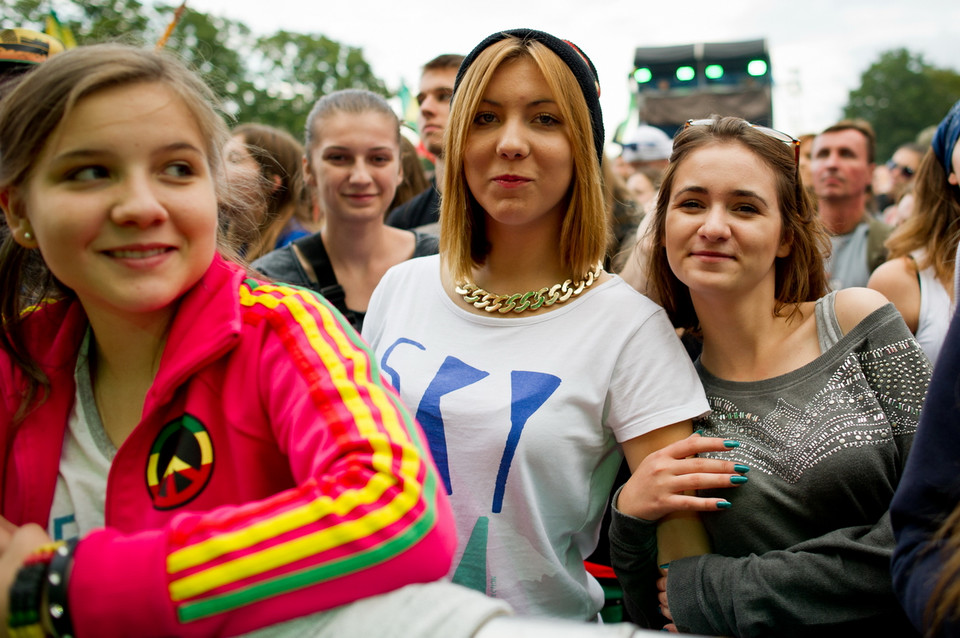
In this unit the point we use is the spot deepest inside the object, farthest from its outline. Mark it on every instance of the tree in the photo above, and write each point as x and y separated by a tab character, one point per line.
124	20
900	95
273	79
217	48
294	70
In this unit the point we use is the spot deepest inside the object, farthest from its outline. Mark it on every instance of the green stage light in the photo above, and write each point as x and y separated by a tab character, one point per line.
642	75
713	71
756	68
685	73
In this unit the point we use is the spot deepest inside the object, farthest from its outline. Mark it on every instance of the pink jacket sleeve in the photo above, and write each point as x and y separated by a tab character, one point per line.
367	515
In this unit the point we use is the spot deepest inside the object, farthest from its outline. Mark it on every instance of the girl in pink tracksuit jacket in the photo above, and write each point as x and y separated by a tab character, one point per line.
184	450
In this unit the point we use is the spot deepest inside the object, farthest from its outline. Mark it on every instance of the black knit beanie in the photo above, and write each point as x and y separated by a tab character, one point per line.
571	55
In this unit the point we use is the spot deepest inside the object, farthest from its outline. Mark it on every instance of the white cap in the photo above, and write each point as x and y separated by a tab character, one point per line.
646	143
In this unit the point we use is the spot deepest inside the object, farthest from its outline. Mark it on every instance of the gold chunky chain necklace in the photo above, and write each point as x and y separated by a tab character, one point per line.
520	301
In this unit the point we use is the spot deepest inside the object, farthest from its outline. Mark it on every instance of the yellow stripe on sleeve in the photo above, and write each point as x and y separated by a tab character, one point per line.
299	304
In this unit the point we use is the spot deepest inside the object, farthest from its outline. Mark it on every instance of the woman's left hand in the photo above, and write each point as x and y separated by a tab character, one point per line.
16	544
666	480
664	605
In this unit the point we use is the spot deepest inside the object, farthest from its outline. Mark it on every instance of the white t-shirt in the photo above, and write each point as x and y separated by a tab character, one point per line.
79	500
523	415
936	310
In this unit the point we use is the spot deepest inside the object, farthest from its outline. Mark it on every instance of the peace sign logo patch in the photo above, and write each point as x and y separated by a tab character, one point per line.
180	464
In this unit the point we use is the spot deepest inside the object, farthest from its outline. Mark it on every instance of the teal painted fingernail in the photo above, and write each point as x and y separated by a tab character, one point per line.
729	443
742	469
737	480
724	505
699	432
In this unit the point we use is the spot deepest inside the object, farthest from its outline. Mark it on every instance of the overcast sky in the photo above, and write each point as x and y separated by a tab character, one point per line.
818	48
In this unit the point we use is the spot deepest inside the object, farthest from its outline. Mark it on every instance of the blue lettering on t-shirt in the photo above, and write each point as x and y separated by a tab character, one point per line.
394	375
528	391
453	375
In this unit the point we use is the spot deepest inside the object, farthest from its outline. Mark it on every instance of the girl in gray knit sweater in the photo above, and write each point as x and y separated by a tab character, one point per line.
819	396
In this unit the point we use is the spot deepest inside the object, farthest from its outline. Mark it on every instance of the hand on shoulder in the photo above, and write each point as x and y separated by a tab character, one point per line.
853	305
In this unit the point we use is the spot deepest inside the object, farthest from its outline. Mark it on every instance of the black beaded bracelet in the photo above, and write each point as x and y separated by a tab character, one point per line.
26	596
57	577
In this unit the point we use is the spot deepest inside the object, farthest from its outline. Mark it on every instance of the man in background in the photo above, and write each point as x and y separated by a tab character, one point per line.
842	166
899	171
436	88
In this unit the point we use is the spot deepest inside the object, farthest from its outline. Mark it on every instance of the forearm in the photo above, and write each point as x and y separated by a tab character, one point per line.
679	535
363	515
839	580
633	556
916	570
234	570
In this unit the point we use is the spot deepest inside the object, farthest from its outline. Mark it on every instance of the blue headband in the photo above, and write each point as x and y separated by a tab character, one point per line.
946	137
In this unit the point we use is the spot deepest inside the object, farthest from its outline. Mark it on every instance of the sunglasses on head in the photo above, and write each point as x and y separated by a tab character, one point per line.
906	170
766	130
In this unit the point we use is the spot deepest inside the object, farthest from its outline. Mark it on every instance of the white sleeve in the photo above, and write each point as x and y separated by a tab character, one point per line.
654	382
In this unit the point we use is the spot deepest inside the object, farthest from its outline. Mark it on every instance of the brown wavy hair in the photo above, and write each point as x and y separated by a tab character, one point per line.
280	158
800	276
414	179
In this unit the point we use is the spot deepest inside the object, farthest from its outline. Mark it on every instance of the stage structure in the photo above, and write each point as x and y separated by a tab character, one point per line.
677	83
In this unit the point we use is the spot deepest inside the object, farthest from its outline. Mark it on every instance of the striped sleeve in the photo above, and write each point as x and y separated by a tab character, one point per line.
367	515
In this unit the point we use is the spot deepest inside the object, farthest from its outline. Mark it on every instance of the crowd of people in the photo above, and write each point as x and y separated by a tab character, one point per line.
253	386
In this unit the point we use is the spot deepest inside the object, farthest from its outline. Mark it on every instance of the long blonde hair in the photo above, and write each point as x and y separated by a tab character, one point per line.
934	225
